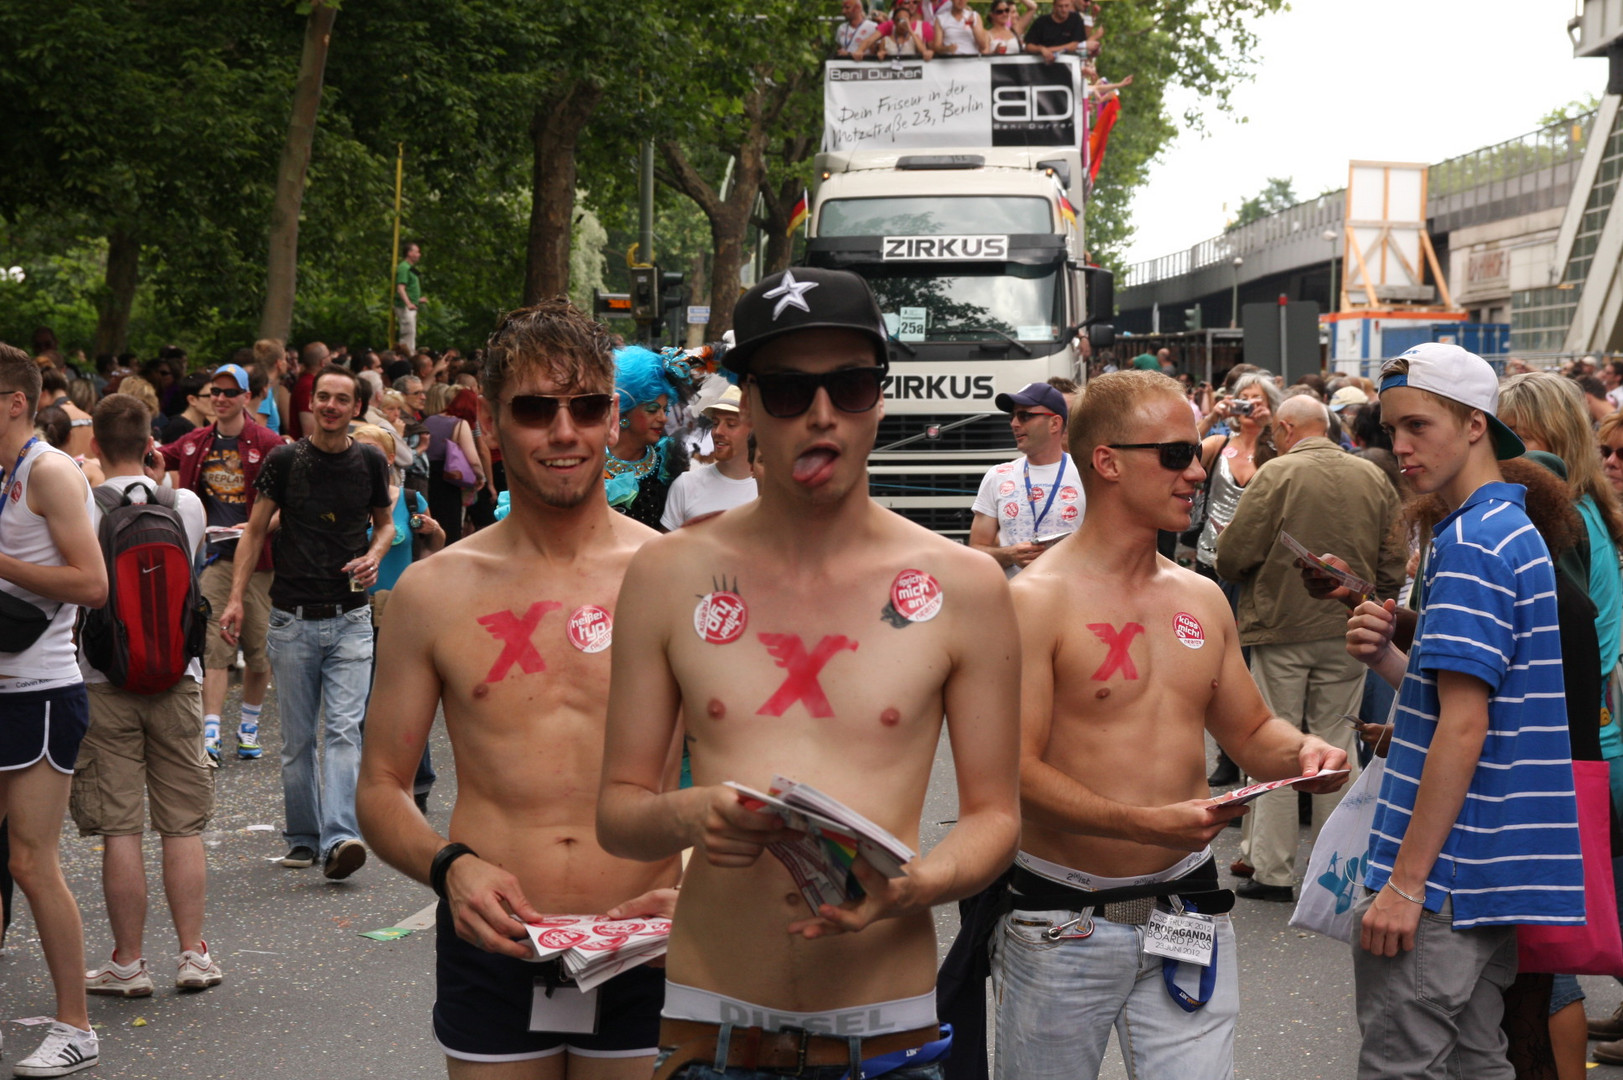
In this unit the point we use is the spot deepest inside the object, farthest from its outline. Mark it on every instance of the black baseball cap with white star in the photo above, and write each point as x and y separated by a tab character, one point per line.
804	298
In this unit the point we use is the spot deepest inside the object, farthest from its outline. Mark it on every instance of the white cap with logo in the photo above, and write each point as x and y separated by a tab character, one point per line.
1451	372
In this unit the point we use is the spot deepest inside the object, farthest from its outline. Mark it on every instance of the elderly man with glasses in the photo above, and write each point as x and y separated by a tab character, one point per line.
220	462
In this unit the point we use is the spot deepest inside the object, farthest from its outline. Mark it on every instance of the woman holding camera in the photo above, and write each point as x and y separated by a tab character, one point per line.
1231	460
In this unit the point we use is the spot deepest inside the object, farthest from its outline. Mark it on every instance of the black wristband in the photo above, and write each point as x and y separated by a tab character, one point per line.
441	865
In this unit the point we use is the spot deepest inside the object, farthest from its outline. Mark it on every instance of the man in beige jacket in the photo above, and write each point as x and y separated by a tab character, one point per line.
1329	500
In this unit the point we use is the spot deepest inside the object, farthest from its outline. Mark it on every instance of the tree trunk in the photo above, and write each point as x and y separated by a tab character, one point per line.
282	277
779	205
113	318
555	133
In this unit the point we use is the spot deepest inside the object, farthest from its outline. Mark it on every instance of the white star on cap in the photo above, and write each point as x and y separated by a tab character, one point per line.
789	291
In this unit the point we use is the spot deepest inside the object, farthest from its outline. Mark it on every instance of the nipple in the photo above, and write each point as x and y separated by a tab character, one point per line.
1214	684
1102	693
482	690
890	717
716	709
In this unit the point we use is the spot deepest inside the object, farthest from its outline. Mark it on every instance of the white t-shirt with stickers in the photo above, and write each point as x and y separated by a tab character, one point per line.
1003	497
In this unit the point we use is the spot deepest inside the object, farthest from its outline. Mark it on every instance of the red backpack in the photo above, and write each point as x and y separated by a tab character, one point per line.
155	621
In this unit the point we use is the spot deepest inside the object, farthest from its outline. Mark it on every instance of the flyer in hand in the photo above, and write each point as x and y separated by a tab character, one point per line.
595	948
1352	582
1243	795
828	838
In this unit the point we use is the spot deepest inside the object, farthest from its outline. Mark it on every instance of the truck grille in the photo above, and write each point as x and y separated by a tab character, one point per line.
987	433
937	486
950	521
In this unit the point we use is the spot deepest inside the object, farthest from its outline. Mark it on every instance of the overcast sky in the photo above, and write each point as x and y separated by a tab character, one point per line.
1392	80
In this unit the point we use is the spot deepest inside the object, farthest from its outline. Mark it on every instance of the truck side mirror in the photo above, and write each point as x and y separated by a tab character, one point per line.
1101	295
1101	335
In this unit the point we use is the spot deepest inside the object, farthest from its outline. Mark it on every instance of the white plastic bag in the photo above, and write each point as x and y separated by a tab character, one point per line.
1335	871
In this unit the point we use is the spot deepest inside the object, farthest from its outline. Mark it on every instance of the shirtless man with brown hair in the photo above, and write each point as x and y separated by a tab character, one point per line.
811	634
511	630
1128	661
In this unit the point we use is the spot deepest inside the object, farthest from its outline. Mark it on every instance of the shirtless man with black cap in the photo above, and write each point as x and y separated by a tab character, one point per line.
511	629
811	634
1128	661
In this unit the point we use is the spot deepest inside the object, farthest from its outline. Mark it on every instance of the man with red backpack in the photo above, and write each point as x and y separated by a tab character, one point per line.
144	734
219	463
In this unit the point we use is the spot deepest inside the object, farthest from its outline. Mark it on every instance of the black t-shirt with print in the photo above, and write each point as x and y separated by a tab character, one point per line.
1050	34
326	502
225	496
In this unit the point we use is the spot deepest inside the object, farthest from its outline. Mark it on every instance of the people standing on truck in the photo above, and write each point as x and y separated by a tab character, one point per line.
1062	32
1004	31
856	28
959	30
1026	505
908	33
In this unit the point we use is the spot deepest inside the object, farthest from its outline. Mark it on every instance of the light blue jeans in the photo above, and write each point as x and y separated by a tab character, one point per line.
321	664
1057	1001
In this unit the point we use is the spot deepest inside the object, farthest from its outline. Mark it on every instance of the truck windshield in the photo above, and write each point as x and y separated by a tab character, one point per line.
935	215
932	302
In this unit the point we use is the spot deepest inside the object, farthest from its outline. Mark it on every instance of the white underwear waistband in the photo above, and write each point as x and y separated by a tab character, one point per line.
879	1018
1097	882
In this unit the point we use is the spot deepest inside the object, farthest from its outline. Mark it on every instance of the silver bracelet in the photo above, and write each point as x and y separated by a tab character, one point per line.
1403	894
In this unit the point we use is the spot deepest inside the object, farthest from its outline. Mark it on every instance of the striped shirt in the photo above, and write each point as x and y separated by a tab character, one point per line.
1489	611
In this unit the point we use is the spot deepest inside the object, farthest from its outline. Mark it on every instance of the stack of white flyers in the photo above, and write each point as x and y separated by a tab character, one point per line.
595	948
828	838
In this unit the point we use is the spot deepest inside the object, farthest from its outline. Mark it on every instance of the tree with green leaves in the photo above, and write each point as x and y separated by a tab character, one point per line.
1276	195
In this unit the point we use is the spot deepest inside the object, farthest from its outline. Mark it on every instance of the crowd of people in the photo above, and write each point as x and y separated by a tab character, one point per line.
315	518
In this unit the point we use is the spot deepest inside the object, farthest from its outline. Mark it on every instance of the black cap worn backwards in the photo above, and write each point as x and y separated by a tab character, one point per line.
804	298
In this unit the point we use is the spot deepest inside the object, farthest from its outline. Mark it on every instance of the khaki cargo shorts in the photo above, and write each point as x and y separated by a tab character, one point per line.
215	581
144	743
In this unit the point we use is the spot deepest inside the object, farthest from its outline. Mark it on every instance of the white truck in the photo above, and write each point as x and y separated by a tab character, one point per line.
956	189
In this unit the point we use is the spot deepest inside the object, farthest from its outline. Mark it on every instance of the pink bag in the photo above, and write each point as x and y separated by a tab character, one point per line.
1597	948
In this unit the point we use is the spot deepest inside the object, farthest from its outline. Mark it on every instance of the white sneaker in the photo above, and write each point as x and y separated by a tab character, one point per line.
65	1050
198	971
120	980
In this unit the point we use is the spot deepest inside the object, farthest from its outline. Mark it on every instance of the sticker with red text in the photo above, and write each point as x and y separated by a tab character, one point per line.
1188	630
720	617
591	629
1006	488
916	596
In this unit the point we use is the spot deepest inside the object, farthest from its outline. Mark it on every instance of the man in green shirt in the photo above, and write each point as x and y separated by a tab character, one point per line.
408	293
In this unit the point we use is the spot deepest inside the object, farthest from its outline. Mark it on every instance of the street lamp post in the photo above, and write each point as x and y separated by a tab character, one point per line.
1335	298
1234	299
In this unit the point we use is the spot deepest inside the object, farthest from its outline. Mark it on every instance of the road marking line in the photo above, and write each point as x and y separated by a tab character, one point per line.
420	921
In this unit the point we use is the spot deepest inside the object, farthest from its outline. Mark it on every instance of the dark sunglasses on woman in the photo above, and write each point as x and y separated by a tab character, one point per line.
540	410
1174	455
786	394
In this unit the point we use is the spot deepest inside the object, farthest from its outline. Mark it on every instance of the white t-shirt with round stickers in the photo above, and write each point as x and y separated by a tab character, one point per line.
1002	496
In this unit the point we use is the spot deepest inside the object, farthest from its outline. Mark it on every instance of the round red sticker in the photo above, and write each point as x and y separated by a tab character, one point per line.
619	928
1068	494
1231	451
1069	514
916	596
591	629
1038	493
1006	488
605	944
1011	510
1188	630
720	618
560	939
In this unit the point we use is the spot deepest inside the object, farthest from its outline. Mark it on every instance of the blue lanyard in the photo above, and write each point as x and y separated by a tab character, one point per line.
5	489
1208	979
1059	478
918	1055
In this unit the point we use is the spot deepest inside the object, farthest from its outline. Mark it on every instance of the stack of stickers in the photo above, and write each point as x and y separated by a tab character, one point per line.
595	948
826	839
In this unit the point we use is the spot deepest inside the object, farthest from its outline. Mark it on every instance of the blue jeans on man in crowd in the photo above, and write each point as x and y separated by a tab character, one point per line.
321	665
1057	1001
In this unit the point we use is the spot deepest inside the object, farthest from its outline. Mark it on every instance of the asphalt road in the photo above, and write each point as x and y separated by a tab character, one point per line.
305	995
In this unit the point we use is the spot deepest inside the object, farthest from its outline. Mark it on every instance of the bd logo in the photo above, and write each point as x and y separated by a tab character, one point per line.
1034	105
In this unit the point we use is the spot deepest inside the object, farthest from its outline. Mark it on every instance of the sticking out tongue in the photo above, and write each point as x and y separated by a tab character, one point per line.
814	466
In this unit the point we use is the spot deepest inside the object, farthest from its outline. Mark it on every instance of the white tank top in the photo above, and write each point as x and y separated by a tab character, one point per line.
25	536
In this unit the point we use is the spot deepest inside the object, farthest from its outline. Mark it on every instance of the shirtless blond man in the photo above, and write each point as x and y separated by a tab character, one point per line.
830	636
510	629
1128	661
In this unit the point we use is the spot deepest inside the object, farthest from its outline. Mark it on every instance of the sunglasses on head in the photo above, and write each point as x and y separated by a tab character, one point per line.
1174	455
220	391
790	393
540	410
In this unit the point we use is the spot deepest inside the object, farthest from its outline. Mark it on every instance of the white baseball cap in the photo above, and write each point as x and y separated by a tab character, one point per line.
1451	372
1348	395
727	402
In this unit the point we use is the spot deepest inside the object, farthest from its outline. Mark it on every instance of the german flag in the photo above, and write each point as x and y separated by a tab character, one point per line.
802	210
1066	209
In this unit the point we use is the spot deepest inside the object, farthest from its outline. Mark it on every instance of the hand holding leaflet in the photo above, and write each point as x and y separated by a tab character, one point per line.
1352	582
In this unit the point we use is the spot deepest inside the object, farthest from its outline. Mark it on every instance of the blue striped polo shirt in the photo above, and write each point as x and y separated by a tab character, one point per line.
1489	610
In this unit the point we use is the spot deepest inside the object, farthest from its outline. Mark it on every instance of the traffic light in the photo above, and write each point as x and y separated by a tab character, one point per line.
645	294
1191	318
673	294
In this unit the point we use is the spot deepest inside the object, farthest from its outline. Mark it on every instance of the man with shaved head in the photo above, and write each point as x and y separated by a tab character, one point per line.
1329	500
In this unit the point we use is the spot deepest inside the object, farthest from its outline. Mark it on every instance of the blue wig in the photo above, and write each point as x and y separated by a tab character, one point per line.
640	376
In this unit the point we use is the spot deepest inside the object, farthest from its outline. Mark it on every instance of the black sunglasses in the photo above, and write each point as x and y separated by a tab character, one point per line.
1607	451
1174	455
1026	416
220	391
540	410
785	394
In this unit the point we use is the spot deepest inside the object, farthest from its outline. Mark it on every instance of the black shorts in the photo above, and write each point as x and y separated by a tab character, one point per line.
46	724
482	1006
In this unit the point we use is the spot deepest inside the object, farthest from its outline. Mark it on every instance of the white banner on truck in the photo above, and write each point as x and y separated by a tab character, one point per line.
1012	101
